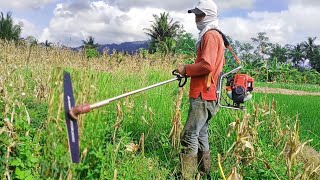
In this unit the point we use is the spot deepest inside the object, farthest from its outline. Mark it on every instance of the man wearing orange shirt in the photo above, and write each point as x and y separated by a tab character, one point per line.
204	75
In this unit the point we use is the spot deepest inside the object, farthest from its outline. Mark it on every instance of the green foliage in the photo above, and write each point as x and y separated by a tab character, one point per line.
276	63
296	54
165	47
281	72
91	53
263	45
26	155
186	44
8	30
90	47
279	53
163	33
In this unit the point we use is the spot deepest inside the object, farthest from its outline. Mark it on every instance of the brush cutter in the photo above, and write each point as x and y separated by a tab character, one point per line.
72	111
239	88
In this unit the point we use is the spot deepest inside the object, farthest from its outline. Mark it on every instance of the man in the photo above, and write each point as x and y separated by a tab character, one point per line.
204	75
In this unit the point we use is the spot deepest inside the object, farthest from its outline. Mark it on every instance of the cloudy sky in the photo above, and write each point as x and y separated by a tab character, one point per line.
115	21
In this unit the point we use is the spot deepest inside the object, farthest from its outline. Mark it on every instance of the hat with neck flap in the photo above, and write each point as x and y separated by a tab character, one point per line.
210	21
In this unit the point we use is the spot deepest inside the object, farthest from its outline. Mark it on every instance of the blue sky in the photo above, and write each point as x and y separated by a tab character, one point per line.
115	21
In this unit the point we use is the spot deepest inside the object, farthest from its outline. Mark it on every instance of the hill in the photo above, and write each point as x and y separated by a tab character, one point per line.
129	47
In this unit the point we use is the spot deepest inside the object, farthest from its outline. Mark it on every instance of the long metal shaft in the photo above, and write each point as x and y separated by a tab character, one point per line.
107	101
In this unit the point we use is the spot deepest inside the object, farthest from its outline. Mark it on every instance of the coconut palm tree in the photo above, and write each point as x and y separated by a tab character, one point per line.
279	52
8	30
163	32
312	52
309	46
296	54
89	43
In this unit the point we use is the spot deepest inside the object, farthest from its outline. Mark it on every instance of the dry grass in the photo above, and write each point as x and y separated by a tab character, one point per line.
176	122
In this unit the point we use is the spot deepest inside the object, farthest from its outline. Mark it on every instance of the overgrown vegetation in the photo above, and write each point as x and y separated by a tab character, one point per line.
137	137
128	139
90	47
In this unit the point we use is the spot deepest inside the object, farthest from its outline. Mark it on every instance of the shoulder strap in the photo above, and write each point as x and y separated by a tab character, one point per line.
228	46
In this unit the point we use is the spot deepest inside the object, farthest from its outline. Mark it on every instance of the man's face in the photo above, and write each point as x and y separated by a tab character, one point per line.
200	17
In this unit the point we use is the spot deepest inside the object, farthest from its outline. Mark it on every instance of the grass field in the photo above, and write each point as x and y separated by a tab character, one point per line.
307	109
129	138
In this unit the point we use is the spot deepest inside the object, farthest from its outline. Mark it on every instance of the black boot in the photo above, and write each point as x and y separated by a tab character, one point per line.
204	161
188	166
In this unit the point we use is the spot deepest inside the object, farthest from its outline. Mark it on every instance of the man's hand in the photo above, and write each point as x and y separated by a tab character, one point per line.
181	70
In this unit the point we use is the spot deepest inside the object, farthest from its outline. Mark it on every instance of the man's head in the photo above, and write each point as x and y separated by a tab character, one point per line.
205	9
206	12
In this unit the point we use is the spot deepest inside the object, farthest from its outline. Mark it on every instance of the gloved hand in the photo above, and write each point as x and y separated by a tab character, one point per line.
181	70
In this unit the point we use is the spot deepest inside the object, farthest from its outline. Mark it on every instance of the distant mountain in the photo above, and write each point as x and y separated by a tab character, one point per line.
129	47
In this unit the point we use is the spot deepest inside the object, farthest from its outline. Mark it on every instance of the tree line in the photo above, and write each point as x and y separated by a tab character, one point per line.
168	36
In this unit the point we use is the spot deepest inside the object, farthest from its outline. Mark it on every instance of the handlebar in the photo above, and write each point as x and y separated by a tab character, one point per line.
179	78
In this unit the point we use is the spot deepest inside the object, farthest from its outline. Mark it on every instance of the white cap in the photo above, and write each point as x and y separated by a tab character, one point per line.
207	7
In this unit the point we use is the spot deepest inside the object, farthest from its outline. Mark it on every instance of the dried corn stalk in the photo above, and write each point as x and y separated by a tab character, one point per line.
176	122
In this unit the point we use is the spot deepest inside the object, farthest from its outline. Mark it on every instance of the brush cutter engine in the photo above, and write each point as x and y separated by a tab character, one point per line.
238	88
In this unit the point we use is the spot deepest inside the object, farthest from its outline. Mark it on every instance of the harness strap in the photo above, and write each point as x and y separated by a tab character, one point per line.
228	46
234	54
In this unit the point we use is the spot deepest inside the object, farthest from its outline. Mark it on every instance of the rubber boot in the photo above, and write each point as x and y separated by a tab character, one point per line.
188	166
204	161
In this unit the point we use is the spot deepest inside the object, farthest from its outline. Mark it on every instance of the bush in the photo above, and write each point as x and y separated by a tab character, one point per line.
92	53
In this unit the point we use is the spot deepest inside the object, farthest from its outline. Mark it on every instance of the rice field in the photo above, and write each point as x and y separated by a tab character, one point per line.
307	110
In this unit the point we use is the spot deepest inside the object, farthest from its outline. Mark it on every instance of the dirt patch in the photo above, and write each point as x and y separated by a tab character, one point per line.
284	91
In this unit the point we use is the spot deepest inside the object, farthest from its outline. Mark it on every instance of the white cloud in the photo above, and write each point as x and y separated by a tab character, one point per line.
305	2
290	26
106	23
109	23
23	4
239	4
179	5
118	21
29	29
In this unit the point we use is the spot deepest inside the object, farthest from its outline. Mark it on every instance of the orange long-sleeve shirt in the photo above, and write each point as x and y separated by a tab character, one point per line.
210	58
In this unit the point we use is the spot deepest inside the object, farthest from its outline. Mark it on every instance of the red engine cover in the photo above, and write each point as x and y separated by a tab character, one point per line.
243	80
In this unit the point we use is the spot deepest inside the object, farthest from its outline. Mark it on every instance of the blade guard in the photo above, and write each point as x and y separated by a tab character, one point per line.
72	126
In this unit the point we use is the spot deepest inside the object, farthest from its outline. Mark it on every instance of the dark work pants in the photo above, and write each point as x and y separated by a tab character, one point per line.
194	135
